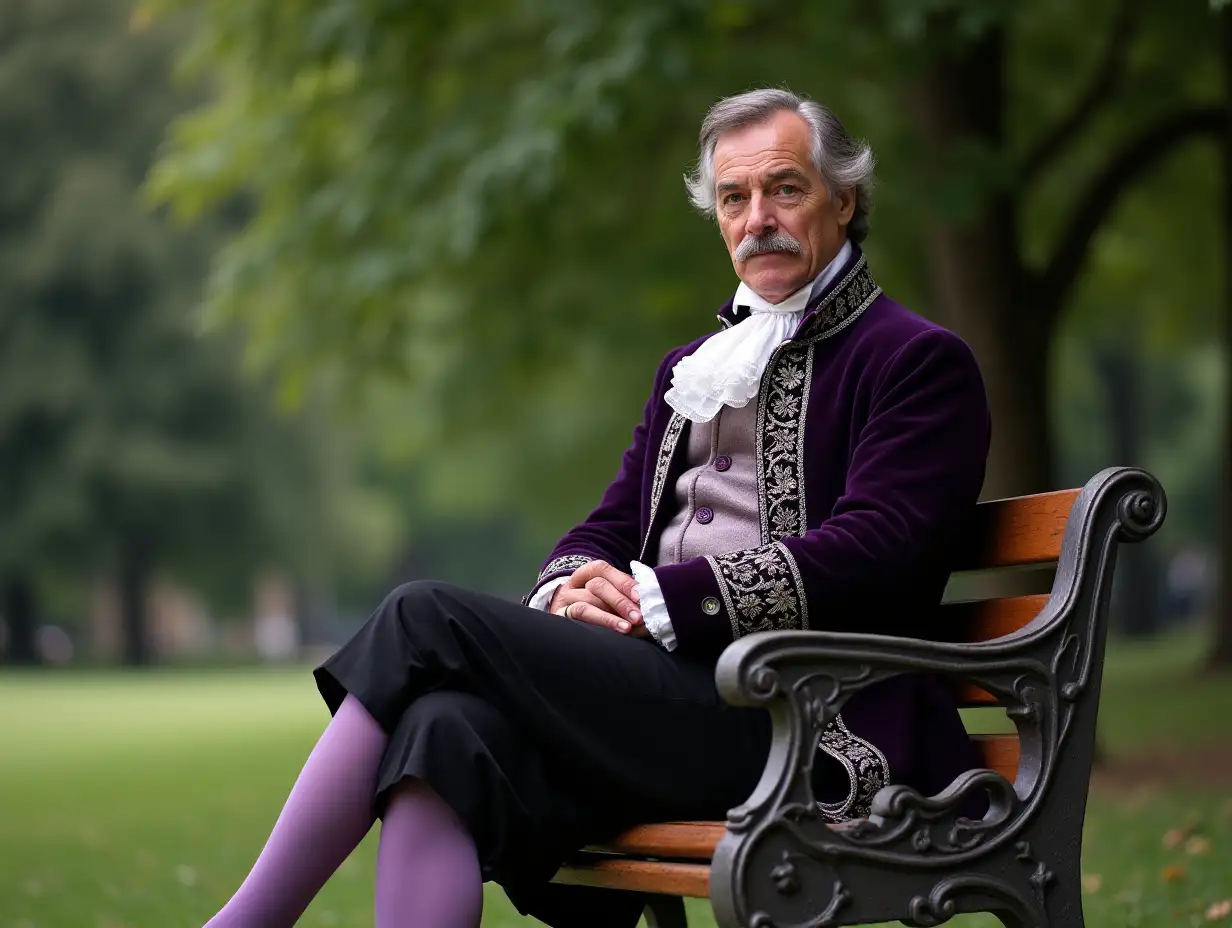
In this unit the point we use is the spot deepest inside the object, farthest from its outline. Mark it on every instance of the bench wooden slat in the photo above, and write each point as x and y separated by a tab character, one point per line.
970	696
677	840
999	753
1016	532
697	840
645	876
986	619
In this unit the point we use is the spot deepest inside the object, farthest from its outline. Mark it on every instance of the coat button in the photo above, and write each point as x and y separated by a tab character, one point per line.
722	463
710	606
705	515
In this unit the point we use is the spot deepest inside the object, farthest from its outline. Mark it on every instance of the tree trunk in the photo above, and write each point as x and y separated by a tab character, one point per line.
1136	600
17	610
1221	651
972	290
134	587
978	284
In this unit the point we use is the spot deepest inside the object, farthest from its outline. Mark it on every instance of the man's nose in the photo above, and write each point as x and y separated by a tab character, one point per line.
761	216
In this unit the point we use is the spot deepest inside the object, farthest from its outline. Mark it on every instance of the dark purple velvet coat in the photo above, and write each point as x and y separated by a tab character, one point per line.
872	434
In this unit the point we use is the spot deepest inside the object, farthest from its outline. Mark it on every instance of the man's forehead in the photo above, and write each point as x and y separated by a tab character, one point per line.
761	167
779	143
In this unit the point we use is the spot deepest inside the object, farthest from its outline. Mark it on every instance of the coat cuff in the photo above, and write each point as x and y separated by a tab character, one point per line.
700	618
562	566
714	600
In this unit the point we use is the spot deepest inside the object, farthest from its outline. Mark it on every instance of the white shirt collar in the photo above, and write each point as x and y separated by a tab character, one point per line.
747	296
726	369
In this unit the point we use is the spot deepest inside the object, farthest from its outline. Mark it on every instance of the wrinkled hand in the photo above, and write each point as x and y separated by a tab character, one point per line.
599	594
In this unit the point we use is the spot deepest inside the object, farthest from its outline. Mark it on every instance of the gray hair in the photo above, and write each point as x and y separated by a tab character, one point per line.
843	162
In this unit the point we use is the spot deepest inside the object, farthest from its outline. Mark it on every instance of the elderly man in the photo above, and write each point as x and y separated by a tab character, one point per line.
800	468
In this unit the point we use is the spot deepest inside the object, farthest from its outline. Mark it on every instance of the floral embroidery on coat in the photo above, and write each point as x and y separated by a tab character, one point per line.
780	442
570	563
867	770
762	589
663	463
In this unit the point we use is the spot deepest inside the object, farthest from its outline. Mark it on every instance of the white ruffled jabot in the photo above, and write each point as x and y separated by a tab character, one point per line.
726	370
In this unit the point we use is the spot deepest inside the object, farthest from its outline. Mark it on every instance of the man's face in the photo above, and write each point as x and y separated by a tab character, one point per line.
769	196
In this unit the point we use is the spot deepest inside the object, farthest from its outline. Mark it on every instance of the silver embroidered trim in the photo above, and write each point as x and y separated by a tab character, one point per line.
667	450
783	406
569	562
761	588
843	305
780	442
867	771
798	579
868	301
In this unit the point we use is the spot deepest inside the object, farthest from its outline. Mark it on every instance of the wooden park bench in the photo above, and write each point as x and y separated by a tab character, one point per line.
775	862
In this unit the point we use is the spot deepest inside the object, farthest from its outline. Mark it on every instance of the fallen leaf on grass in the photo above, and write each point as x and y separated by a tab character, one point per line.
1218	910
1198	844
1092	882
1172	873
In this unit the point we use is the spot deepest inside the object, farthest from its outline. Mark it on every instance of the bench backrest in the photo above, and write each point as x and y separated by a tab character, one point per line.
1024	531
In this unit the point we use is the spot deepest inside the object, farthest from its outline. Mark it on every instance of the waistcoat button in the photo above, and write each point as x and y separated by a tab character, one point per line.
705	515
710	606
722	462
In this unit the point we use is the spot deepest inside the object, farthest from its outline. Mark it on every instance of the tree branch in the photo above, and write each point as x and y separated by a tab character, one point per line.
1094	204
1101	88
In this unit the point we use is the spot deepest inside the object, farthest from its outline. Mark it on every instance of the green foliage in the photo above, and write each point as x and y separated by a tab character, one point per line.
119	424
1153	294
475	210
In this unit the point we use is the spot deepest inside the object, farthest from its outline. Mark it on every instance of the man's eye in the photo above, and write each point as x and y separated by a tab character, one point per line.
788	189
733	198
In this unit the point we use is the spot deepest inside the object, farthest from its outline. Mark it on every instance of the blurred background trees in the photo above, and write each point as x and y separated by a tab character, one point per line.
129	445
454	240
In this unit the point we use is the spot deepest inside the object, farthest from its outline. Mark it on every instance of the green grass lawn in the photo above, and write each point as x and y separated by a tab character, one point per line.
140	801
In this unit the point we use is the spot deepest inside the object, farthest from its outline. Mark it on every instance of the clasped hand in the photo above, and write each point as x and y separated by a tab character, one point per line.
599	594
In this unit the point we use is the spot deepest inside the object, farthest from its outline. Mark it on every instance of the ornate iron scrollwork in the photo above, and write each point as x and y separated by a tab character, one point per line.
919	858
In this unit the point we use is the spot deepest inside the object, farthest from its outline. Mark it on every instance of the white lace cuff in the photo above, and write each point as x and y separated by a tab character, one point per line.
543	596
652	606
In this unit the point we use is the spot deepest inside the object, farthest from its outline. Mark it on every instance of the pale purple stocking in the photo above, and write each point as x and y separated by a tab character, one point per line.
327	814
427	871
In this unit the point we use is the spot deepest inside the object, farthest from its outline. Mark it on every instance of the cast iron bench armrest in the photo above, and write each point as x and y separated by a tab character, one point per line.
918	858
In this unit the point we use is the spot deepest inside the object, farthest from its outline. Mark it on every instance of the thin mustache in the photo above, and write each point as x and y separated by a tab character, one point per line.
768	244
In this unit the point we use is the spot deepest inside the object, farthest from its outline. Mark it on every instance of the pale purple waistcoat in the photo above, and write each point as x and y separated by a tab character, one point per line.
716	495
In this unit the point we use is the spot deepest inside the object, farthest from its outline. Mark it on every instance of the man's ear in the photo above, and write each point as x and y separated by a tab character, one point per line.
845	200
